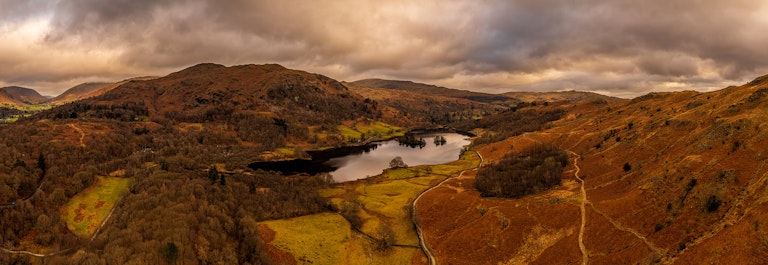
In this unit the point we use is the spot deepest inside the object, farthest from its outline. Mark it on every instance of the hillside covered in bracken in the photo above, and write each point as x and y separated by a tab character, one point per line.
672	178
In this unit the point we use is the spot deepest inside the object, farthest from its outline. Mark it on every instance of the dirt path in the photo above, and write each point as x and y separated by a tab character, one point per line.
24	252
82	133
620	227
427	251
584	201
107	218
583	208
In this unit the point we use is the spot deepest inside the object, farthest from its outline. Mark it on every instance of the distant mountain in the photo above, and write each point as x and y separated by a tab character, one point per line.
433	90
425	109
570	96
89	90
15	95
78	92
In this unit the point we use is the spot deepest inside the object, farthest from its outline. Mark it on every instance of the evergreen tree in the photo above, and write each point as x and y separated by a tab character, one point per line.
41	163
170	252
213	174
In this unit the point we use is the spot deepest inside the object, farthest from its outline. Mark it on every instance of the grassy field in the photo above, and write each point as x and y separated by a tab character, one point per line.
352	132
320	238
371	130
379	130
385	201
86	210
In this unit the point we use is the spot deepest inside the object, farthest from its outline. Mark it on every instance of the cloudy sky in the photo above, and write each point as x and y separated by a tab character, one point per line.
616	47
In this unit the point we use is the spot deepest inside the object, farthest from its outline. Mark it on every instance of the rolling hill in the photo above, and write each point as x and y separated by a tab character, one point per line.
569	96
264	105
6	101
18	96
435	90
78	92
672	178
425	109
89	90
207	90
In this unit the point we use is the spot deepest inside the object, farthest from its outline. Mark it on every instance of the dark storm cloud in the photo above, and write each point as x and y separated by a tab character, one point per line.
618	47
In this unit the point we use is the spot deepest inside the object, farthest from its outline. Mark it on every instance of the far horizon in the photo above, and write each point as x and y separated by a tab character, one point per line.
158	76
606	93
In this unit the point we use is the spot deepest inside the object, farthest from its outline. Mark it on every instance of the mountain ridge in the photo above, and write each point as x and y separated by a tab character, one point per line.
432	89
21	96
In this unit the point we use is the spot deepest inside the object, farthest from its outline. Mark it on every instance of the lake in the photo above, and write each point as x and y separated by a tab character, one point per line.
353	163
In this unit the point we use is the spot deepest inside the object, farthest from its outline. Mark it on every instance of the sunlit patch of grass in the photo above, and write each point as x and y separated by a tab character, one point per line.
349	133
36	108
381	129
370	222
11	119
324	238
391	199
286	151
314	130
423	181
86	210
331	192
399	173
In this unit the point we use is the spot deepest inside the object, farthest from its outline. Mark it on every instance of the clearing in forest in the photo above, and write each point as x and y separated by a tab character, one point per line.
88	209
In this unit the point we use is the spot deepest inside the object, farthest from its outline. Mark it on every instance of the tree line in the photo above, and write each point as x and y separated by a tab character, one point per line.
535	169
516	121
171	199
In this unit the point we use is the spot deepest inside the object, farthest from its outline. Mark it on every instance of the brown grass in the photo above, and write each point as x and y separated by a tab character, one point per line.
644	215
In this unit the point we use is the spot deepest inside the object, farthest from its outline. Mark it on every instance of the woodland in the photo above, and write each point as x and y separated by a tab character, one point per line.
192	198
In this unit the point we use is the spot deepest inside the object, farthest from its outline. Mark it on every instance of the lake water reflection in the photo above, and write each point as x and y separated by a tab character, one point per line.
357	166
357	162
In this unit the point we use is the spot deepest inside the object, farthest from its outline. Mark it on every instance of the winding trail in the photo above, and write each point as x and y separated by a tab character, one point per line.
24	252
422	242
583	208
82	133
621	227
